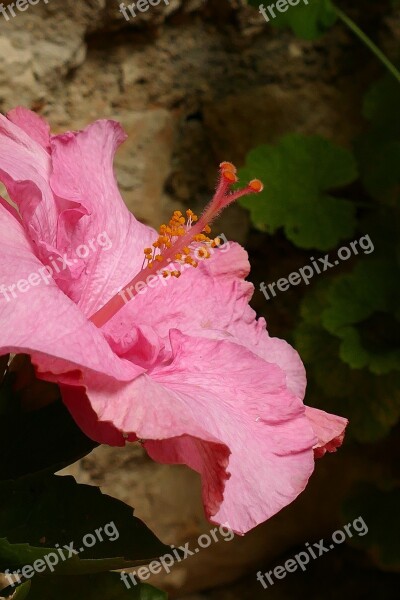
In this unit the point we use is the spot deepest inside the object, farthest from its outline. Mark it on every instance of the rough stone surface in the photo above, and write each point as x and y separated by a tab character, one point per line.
192	82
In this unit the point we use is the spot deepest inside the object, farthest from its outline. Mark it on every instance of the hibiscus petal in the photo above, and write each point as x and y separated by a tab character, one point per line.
40	320
25	170
83	174
219	393
9	208
34	125
70	204
25	167
213	299
76	400
328	428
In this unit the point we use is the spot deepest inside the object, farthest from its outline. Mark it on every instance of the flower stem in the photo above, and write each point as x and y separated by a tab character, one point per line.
368	42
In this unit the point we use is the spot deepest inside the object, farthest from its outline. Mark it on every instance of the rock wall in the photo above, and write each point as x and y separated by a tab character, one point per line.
192	83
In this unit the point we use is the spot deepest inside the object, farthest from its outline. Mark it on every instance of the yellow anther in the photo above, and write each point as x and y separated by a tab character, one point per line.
216	242
148	250
207	229
186	251
204	253
178	256
159	258
195	218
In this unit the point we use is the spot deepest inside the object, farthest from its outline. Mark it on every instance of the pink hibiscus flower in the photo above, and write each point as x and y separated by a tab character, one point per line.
184	366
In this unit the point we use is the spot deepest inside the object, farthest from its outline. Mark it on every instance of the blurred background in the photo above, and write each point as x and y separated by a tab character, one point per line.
201	81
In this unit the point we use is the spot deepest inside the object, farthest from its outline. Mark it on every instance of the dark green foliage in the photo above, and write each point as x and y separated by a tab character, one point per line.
307	21
300	174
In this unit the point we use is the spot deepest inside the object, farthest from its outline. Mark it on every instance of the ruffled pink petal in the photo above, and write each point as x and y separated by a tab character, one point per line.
212	400
38	319
97	218
329	429
25	170
70	205
212	301
34	125
9	208
26	138
75	398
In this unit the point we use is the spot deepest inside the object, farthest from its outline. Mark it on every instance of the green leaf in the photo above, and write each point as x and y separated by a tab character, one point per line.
37	514
45	439
35	439
378	150
370	402
308	19
101	586
298	174
380	511
361	312
22	591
